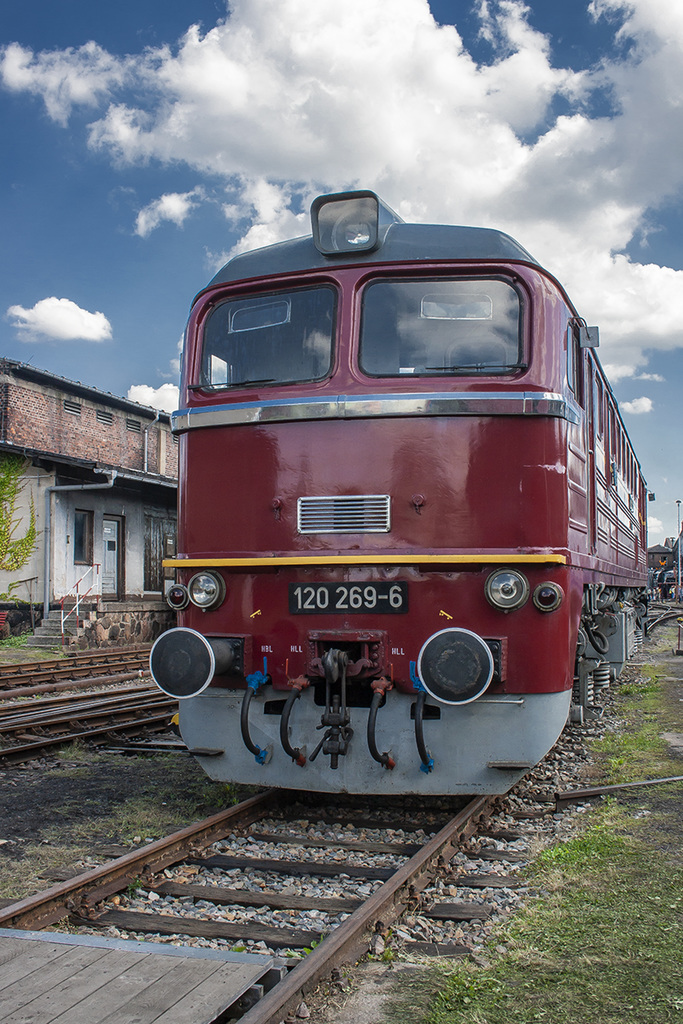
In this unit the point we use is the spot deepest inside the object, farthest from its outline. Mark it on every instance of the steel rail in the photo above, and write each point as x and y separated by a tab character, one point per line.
349	940
48	907
72	684
38	718
77	658
572	796
59	668
66	700
27	751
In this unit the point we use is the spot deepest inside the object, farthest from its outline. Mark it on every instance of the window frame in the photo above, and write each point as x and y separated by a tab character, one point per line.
83	544
436	279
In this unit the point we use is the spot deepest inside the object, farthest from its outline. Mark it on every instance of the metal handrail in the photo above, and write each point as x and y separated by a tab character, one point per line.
79	596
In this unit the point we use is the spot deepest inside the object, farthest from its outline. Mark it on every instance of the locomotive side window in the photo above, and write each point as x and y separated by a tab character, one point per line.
452	326
279	338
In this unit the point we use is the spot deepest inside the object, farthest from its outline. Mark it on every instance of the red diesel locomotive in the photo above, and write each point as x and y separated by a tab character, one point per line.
411	522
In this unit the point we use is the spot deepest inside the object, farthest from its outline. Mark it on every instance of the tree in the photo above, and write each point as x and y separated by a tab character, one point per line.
14	551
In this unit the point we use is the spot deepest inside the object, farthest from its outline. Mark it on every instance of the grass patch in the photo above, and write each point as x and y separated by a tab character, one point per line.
602	943
601	946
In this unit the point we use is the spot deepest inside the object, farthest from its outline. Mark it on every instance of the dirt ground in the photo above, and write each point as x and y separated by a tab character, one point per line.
62	814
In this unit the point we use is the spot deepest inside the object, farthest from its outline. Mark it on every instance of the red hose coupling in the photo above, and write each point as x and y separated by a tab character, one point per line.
300	683
381	685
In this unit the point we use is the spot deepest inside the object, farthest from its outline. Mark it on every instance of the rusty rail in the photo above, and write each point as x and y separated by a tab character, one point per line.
350	939
49	907
577	795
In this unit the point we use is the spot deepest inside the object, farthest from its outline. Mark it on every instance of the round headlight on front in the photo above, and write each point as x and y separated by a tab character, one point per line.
548	596
177	597
506	589
206	590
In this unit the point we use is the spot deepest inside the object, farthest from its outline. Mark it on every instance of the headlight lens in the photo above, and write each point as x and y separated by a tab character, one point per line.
507	589
177	597
548	597
206	590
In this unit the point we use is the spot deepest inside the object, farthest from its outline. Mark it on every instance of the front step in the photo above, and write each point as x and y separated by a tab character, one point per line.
49	633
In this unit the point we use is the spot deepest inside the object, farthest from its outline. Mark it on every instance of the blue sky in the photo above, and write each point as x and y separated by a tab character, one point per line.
140	151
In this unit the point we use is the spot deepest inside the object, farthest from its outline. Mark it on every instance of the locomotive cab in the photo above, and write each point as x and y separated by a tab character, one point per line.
393	529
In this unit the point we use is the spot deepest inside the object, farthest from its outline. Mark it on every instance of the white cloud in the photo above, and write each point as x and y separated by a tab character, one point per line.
164	397
66	78
655	529
286	98
637	407
173	206
60	320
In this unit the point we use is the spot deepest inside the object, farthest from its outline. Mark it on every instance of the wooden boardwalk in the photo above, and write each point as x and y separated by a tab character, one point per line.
53	978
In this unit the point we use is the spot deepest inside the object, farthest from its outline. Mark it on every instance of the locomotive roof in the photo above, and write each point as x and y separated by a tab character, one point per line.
401	243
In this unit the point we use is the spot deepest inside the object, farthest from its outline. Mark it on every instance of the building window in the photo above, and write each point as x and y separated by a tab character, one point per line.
104	417
73	407
83	537
133	425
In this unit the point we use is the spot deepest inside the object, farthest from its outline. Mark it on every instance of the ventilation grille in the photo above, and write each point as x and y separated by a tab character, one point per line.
345	513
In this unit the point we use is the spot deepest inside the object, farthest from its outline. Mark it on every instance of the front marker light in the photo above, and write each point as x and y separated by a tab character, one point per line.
206	590
177	597
548	596
506	589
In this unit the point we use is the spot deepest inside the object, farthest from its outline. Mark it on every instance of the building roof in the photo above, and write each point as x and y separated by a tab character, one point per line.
24	371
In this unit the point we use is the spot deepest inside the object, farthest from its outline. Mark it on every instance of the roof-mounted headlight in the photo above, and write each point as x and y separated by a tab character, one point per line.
348	222
206	590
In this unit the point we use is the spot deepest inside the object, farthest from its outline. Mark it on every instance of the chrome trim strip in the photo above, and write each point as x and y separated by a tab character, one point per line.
472	403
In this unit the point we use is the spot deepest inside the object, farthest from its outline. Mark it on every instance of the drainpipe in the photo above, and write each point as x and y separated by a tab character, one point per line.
48	524
147	430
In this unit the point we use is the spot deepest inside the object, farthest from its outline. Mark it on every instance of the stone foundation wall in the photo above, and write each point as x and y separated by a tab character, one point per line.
124	624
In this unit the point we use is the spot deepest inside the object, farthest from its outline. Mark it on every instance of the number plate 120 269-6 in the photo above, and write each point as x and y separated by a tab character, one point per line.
347	598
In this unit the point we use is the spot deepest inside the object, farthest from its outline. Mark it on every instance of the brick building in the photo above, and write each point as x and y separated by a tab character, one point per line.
100	474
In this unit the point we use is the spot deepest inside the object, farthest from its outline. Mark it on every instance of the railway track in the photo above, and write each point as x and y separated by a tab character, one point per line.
31	728
280	876
112	661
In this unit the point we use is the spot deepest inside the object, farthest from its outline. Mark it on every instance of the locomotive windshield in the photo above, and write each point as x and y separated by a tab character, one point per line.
440	326
278	337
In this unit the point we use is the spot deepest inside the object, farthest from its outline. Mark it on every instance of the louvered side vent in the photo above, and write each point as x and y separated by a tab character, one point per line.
345	513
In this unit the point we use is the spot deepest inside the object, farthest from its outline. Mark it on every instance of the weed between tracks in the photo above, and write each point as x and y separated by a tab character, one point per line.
601	942
75	811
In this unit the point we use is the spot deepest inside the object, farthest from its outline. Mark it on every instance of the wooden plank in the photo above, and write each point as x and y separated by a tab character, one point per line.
63	997
223	896
23	962
203	1005
290	839
444	949
161	995
293	867
511	856
459	911
119	991
45	976
165	924
9	949
488	882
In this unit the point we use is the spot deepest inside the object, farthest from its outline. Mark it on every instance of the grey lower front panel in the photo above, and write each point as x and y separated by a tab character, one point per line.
482	747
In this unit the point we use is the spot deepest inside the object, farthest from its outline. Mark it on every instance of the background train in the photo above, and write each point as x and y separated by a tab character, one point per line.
411	522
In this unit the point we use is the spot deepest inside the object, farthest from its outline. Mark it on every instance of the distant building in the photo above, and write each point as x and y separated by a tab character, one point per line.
100	473
660	556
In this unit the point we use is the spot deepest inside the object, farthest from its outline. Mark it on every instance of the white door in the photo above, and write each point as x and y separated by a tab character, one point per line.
110	562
